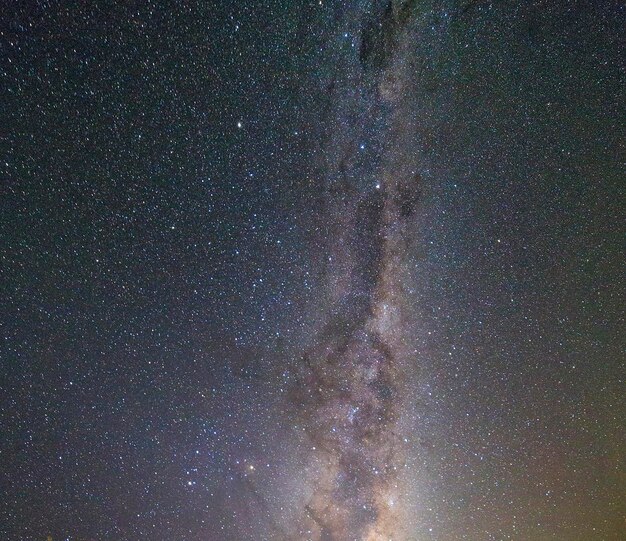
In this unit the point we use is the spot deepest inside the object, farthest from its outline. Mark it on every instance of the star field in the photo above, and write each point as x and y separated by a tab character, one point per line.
312	271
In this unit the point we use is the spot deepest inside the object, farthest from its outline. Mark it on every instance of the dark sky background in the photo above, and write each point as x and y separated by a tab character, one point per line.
220	218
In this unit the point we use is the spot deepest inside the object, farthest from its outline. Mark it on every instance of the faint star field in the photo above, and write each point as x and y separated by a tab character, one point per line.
329	270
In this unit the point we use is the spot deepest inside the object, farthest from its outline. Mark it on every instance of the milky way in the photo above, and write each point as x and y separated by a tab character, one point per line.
351	387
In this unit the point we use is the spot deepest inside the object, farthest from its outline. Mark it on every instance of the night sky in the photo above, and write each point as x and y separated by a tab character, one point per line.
331	270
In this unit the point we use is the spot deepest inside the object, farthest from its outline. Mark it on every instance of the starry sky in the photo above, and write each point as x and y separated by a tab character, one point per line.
321	270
